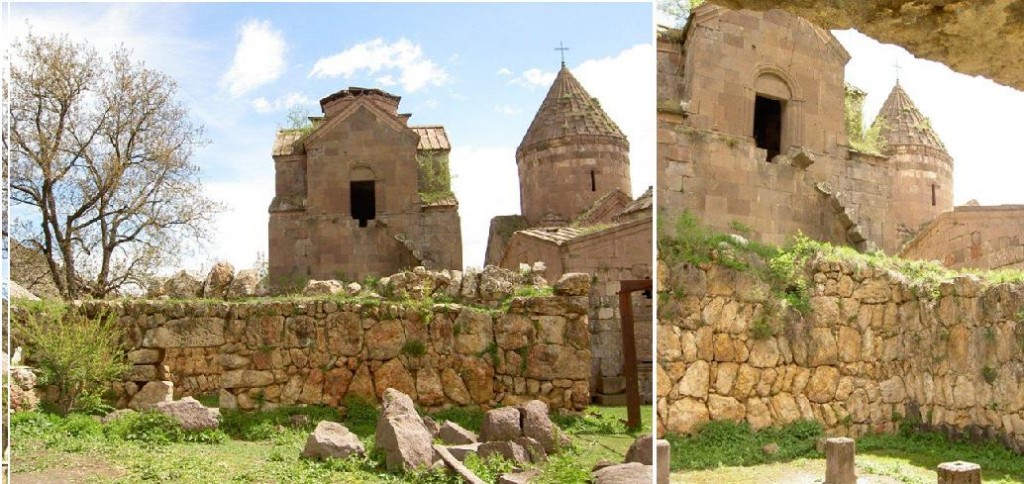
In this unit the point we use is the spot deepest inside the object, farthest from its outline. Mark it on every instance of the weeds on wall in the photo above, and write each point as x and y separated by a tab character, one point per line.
78	356
435	178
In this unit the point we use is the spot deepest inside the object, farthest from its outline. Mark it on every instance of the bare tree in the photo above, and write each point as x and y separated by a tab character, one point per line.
101	151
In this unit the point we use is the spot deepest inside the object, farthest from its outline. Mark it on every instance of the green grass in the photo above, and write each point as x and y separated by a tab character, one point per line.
908	456
264	447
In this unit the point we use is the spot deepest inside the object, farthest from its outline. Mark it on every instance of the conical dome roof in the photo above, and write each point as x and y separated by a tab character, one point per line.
904	123
569	110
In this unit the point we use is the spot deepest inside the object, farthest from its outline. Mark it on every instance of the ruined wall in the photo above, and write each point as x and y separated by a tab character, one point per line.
872	351
973	237
318	351
708	161
617	253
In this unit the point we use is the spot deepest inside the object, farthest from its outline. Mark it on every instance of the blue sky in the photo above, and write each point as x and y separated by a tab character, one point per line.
481	70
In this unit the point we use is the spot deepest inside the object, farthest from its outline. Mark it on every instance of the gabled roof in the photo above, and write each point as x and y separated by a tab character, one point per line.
432	138
569	110
643	203
904	124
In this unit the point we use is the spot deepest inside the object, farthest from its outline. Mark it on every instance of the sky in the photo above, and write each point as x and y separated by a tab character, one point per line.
481	70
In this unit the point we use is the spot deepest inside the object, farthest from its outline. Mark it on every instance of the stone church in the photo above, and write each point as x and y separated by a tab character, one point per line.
361	193
578	215
753	131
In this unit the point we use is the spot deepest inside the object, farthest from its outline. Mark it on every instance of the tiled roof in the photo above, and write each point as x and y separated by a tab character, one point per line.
558	235
432	138
568	110
359	91
643	202
904	123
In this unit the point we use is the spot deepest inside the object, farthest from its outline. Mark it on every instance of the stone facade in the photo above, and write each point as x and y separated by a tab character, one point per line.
719	79
578	215
973	236
321	350
872	350
348	199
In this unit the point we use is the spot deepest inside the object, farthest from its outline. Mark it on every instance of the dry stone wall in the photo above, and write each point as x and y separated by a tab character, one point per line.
873	349
321	350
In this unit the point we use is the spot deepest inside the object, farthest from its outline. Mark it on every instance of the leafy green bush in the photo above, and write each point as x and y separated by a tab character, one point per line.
469	418
150	427
77	355
360	415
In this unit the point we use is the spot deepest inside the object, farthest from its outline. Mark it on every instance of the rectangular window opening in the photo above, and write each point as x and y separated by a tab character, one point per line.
933	194
593	181
768	125
363	201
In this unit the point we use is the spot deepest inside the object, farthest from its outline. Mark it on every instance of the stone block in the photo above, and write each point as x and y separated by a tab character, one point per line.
839	461
959	472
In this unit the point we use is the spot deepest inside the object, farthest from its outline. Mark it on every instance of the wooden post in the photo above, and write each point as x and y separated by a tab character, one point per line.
629	364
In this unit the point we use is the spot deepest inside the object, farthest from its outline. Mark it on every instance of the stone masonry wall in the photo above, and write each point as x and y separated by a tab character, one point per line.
320	350
872	350
973	237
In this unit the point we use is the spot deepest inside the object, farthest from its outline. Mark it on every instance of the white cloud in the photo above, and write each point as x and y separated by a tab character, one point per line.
287	101
242	227
431	103
533	78
624	84
484	182
504	71
507	110
259	58
387	80
414	70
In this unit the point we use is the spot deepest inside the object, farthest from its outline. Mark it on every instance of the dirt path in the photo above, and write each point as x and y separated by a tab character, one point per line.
69	468
804	471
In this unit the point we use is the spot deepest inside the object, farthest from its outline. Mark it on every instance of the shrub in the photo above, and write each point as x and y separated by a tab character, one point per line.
78	356
414	348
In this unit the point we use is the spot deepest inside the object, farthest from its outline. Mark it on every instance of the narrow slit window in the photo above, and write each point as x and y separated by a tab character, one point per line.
363	201
593	181
768	125
933	194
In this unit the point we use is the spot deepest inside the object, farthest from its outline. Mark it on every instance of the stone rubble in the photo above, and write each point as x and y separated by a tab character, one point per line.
332	440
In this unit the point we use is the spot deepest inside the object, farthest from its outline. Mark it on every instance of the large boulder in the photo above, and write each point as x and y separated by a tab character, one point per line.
537	425
182	286
15	291
641	451
573	284
401	434
331	440
218	280
452	433
509	450
191	414
152	393
323	288
501	424
631	473
247	283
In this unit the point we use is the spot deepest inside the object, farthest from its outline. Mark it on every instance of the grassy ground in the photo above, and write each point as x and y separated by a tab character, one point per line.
728	452
262	448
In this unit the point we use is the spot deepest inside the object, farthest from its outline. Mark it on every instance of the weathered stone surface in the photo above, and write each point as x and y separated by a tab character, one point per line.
183	286
537	424
573	284
144	356
323	288
501	424
332	440
246	378
401	435
116	414
631	473
454	387
152	393
959	472
186	333
191	414
686	415
461	451
218	280
533	449
641	450
393	374
384	340
524	477
839	457
507	449
429	389
247	283
452	433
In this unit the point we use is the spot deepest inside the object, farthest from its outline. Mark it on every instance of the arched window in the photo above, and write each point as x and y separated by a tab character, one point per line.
362	195
772	94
